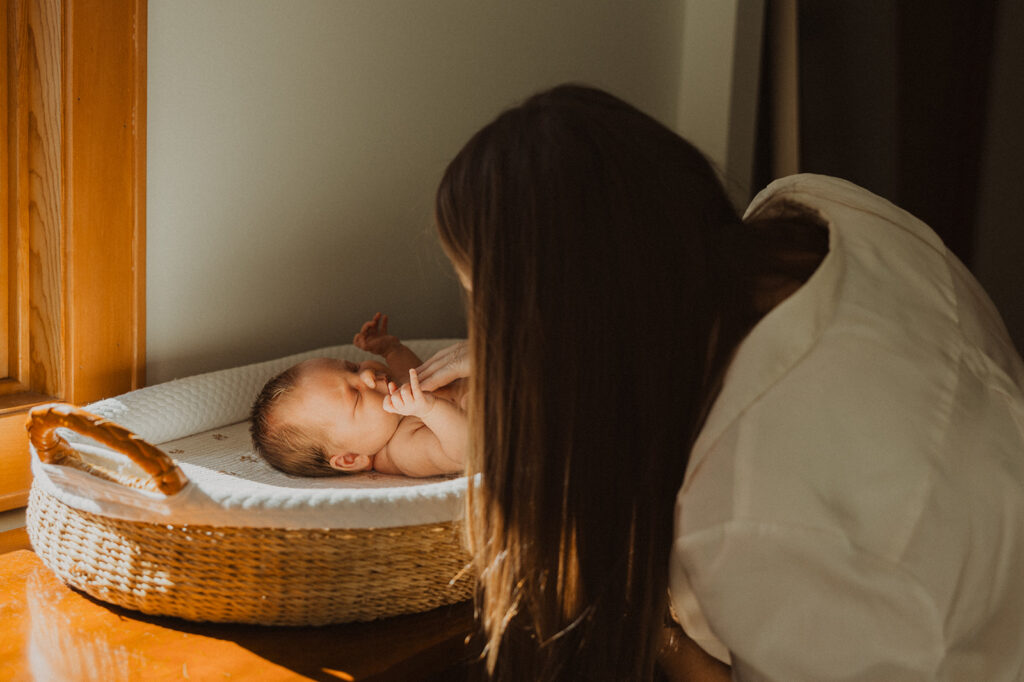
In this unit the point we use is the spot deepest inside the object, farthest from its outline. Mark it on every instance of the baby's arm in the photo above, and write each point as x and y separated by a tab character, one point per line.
374	338
435	446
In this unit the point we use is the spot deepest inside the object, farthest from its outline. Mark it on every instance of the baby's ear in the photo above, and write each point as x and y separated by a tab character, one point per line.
350	462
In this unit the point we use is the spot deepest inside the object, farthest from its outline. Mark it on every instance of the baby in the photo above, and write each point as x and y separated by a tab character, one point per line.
323	416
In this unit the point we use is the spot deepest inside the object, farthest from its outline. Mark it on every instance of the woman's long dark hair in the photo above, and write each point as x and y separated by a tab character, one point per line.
604	260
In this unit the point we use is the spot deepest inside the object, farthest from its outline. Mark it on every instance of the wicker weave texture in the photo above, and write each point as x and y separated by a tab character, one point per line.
251	575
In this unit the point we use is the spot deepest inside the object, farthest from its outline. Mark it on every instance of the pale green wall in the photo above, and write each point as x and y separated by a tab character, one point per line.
294	148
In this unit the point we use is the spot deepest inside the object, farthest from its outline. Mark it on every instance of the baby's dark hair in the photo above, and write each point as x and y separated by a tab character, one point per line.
285	446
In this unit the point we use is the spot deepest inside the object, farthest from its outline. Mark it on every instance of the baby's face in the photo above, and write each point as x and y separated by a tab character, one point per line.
343	402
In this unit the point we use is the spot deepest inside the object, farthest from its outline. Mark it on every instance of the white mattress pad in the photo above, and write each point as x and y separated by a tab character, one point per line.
201	422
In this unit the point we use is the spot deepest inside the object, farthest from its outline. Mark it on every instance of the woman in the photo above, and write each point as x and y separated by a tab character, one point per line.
839	393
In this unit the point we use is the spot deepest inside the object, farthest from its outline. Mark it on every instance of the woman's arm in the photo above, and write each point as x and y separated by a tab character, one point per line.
682	659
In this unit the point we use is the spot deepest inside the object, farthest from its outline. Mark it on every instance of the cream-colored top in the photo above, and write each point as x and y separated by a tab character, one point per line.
854	506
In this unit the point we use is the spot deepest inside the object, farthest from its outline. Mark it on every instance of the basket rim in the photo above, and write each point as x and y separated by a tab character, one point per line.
386	507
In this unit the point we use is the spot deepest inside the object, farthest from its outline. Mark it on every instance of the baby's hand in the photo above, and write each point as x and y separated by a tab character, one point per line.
374	337
409	399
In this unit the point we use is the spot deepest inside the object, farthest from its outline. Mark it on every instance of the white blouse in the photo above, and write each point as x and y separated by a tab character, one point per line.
854	506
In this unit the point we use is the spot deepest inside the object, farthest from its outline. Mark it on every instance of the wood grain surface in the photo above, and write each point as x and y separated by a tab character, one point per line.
50	632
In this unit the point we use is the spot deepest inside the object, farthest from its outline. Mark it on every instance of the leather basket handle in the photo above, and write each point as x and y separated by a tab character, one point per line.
42	425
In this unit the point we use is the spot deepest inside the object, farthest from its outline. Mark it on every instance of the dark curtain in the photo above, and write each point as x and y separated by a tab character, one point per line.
893	97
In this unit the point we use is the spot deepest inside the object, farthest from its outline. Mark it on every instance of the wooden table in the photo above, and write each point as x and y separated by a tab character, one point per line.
51	632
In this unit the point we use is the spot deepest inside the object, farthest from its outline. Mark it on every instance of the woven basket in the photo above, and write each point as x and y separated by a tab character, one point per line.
230	574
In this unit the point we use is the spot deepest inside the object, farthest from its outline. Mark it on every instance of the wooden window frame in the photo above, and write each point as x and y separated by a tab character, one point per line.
72	205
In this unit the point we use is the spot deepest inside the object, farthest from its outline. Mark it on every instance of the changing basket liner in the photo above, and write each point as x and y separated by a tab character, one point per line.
201	423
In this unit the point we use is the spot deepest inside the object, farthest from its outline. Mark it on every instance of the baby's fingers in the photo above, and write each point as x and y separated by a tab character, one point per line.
398	397
414	384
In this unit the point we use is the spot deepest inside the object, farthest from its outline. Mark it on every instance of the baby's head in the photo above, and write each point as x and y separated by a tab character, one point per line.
323	417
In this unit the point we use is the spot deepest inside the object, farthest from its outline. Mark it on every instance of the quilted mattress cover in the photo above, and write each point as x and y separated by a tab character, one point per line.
201	422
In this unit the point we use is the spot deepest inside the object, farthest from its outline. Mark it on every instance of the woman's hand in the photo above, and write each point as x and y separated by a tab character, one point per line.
682	659
374	337
444	367
409	400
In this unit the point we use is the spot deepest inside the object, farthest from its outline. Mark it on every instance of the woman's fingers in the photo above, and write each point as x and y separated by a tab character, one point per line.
444	367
